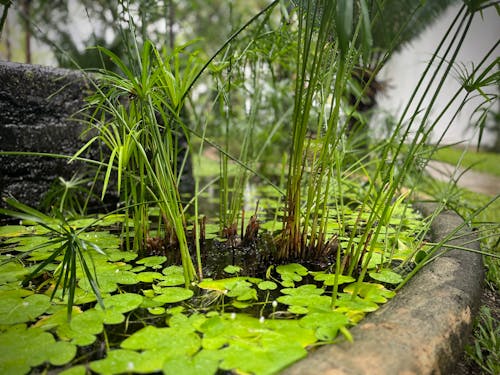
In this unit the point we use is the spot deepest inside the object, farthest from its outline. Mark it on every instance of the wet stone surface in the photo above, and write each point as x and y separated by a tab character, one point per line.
40	112
37	107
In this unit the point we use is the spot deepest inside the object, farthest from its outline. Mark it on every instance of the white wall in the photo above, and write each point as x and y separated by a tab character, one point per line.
404	69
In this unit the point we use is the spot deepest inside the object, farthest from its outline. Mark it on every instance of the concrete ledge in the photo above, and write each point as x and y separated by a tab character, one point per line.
424	328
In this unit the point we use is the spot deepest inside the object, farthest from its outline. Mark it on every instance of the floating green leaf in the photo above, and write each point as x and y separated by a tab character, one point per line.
149	277
386	276
156	310
122	361
272	355
290	273
186	323
348	303
103	239
122	302
205	362
118	304
224	285
232	269
176	341
109	279
267	285
154	262
242	290
329	278
117	255
11	272
22	348
370	291
90	322
326	324
174	275
19	310
303	290
14	230
173	294
75	370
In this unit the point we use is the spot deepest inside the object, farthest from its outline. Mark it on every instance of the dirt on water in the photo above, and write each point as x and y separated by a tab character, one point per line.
475	181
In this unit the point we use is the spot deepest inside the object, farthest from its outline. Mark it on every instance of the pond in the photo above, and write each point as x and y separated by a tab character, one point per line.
251	312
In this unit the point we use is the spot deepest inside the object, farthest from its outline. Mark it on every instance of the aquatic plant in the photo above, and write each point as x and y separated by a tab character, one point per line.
148	321
349	216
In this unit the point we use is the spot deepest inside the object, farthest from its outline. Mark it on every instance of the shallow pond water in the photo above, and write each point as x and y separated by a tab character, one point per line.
249	313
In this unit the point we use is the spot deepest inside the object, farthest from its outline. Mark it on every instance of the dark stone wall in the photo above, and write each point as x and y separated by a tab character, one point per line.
37	105
38	113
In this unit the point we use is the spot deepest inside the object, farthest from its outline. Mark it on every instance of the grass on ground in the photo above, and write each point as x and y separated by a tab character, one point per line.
487	162
485	351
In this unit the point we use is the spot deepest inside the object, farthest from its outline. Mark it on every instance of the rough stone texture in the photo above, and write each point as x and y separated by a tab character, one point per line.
424	328
36	108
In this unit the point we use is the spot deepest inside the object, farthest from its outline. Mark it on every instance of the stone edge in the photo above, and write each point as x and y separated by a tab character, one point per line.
424	328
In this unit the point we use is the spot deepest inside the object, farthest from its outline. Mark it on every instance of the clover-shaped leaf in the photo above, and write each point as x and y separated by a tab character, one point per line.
267	285
290	273
330	278
326	324
154	262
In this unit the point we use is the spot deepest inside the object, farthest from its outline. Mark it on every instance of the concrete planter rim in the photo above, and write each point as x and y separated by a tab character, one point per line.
424	328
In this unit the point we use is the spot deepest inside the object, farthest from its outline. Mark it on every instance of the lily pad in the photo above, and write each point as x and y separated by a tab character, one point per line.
386	276
173	294
118	304
121	361
148	277
311	301
242	290
173	276
303	290
291	273
19	310
75	370
116	255
205	362
90	322
272	355
14	230
346	303
12	271
158	310
154	262
232	269
267	285
176	341
326	324
109	279
224	285
371	291
329	278
22	348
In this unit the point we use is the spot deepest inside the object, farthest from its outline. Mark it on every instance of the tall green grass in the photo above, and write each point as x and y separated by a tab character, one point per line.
137	116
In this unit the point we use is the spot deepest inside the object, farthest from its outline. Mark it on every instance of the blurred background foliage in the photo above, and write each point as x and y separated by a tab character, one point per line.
255	73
